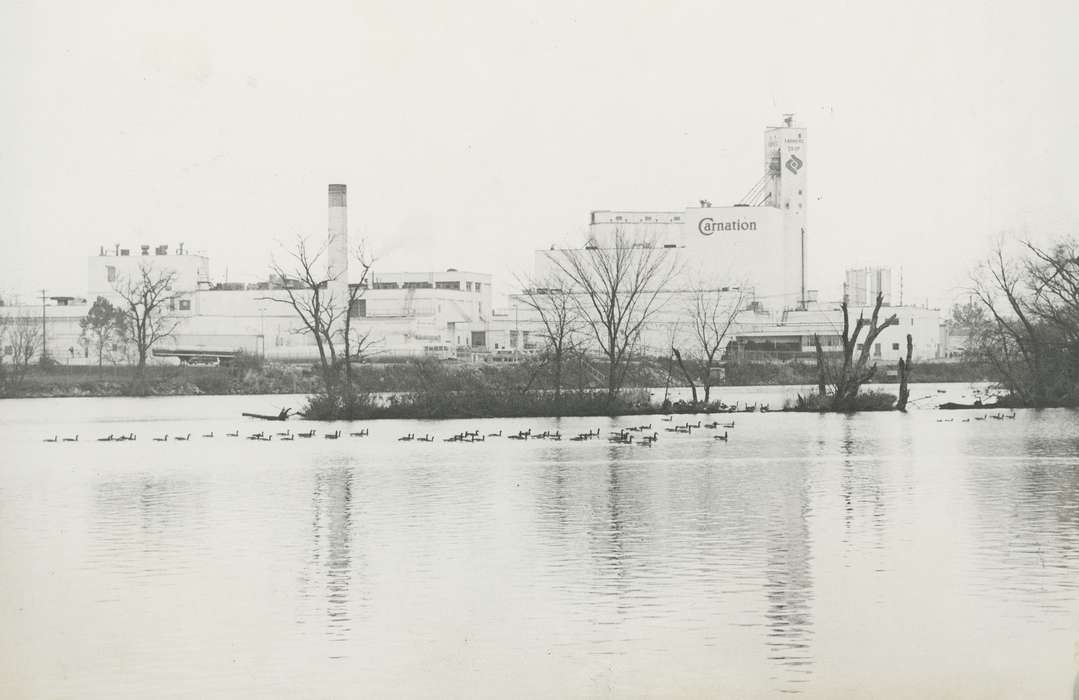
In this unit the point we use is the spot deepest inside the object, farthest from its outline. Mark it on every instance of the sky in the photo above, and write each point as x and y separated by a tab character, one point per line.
472	133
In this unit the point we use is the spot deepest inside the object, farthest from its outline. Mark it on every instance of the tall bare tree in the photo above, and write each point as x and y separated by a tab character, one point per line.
1033	301
303	279
847	378
324	314
711	314
145	297
553	303
616	291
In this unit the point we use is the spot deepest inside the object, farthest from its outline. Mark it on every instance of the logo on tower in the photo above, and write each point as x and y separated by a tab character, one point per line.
794	164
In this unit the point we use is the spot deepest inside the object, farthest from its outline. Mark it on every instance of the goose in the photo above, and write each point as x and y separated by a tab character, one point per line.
110	438
712	426
722	437
162	439
498	434
285	434
309	434
235	433
729	426
52	439
1011	416
288	437
427	438
406	438
332	436
361	433
208	435
667	418
74	439
186	437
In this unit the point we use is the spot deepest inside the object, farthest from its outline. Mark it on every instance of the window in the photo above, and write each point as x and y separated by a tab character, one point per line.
477	286
876	350
468	286
185	305
448	285
513	339
110	272
895	346
358	309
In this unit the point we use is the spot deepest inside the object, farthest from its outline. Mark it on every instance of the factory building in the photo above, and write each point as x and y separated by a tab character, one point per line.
410	314
752	254
758	242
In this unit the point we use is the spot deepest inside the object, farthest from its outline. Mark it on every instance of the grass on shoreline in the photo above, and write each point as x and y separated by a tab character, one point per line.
497	384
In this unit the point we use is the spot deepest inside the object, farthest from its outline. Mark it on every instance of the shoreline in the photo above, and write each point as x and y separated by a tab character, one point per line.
256	378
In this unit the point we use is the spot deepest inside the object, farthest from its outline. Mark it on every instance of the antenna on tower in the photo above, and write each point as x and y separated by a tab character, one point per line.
788	118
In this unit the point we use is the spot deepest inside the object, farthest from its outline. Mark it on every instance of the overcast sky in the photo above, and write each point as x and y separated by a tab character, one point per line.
471	133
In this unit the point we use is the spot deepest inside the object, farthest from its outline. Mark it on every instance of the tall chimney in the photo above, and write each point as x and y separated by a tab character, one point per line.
337	245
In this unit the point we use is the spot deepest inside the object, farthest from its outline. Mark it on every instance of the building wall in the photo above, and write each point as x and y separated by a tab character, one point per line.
402	320
105	270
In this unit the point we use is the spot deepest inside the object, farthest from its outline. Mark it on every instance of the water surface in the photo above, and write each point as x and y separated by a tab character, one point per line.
877	555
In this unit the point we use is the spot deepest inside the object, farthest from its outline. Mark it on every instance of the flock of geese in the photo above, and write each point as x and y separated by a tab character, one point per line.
987	416
624	436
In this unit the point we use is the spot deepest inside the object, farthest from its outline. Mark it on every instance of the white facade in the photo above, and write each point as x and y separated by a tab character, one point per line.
109	268
760	244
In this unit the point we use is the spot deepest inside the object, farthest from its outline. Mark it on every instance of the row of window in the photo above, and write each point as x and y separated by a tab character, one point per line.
469	286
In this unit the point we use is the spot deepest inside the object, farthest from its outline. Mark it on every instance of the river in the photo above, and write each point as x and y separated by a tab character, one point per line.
874	555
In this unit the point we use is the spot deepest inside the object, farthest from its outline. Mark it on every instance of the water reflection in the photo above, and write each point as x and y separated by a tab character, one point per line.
1025	483
788	578
329	566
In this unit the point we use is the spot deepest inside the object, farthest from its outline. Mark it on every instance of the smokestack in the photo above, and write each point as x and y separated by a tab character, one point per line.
337	244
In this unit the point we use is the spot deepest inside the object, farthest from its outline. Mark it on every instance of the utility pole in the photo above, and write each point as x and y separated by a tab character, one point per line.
44	352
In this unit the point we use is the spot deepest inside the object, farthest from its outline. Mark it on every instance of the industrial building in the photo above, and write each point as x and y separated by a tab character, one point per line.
407	313
752	253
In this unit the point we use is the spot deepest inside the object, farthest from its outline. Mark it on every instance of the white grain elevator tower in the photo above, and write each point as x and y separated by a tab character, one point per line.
785	156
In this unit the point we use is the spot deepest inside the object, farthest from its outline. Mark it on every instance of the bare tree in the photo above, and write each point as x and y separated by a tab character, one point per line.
904	376
323	315
847	379
23	335
306	286
1033	302
557	311
711	314
356	345
616	291
145	296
